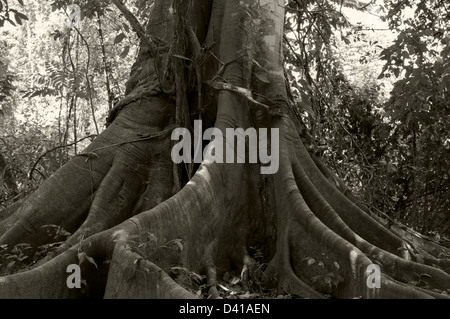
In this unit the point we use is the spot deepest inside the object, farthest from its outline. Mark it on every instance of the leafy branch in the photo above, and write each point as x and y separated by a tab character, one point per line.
136	26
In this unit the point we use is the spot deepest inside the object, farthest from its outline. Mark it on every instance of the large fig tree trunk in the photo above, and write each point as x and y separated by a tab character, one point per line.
136	213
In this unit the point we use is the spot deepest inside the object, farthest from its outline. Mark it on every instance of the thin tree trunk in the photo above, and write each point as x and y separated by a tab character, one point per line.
105	63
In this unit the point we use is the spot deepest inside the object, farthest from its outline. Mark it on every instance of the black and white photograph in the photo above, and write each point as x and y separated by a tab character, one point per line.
231	157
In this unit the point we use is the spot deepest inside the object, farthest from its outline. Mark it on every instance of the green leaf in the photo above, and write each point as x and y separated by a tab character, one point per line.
125	52
385	54
262	76
396	72
310	260
234	281
81	257
223	287
306	107
119	38
10	21
18	20
346	40
21	16
179	244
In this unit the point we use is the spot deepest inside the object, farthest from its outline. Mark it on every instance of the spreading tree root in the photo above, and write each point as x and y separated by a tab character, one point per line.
208	226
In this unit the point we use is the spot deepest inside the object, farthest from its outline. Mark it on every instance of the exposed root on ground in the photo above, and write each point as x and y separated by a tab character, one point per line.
317	252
